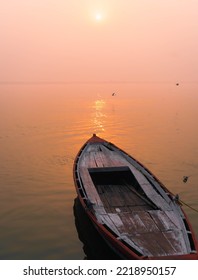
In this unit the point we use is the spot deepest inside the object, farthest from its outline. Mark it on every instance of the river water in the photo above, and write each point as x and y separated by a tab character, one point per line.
43	126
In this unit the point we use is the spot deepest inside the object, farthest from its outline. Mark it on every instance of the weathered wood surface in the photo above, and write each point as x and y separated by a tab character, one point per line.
154	232
90	190
100	156
144	226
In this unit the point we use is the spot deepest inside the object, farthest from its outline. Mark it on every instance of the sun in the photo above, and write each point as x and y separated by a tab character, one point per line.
98	17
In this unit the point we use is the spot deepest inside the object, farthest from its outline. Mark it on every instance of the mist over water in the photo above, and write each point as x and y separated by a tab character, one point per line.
43	127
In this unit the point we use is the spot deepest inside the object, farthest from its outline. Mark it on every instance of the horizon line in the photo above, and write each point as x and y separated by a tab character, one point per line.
89	82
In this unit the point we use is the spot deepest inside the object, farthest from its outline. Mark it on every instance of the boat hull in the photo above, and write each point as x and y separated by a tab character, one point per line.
118	244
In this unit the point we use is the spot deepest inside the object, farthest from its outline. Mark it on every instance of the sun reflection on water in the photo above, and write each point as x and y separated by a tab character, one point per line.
99	117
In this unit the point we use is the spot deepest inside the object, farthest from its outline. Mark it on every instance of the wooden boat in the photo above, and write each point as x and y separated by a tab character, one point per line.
132	210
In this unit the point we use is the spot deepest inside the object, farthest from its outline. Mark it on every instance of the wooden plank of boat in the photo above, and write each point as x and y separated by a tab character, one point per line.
115	159
139	228
91	192
133	211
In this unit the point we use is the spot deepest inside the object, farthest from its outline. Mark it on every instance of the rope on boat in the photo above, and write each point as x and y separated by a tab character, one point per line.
188	205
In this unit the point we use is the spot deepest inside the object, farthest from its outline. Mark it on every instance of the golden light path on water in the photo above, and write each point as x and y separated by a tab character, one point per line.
98	116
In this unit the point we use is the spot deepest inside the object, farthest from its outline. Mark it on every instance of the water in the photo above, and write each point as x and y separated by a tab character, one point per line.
43	127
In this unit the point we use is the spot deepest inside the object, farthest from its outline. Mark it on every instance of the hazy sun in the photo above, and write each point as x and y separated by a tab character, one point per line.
98	17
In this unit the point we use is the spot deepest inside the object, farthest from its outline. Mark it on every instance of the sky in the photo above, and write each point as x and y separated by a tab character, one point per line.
98	41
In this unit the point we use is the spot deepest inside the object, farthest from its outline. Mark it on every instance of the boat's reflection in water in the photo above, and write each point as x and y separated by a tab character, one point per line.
94	247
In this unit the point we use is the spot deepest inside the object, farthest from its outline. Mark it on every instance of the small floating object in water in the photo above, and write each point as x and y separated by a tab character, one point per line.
177	84
185	179
113	94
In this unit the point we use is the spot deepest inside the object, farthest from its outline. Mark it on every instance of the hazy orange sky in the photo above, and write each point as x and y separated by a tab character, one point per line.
99	40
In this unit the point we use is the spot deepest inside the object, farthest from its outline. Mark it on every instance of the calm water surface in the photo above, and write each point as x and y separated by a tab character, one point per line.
43	127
